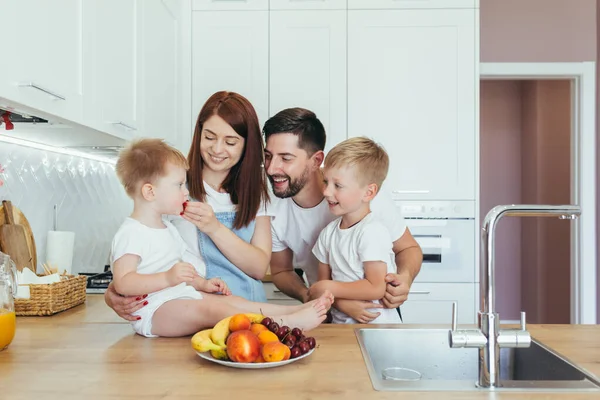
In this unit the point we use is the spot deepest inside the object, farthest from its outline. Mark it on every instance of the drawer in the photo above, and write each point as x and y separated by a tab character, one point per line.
431	303
230	5
273	293
411	4
307	5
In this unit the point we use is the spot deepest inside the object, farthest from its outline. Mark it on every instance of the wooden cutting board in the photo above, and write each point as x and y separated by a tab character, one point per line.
25	249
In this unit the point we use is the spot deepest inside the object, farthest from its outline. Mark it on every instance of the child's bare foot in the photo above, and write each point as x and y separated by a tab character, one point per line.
325	299
308	317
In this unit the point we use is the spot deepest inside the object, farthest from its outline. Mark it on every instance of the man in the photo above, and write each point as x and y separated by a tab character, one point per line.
294	151
295	140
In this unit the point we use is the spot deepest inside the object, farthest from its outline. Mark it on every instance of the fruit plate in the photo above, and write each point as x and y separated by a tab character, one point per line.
209	357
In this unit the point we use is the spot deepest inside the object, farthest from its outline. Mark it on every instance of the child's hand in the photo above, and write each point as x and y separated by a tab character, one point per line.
361	311
216	285
181	272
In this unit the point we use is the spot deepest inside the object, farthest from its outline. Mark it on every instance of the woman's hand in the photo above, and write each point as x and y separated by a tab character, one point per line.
124	306
202	215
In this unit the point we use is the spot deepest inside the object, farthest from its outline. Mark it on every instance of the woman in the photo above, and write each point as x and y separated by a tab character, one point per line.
226	222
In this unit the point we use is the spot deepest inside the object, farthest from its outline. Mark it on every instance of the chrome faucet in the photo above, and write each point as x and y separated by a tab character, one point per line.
489	338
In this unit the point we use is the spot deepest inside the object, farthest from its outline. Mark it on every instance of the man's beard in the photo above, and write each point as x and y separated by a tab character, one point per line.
294	186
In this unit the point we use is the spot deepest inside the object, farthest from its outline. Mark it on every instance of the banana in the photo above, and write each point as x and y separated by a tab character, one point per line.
201	341
221	330
220	354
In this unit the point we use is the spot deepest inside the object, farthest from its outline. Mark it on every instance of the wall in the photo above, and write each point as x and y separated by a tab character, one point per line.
500	144
90	199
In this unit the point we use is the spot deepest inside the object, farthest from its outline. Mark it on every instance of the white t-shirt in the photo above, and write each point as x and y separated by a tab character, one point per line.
298	228
158	248
220	202
345	251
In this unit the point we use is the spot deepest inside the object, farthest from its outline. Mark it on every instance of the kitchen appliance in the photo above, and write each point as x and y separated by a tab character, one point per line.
445	230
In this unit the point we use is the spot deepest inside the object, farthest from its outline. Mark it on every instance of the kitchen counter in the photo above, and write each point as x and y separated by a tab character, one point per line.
89	353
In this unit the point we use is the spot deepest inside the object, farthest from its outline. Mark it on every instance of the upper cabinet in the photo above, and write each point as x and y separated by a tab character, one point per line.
41	62
109	44
230	52
408	4
158	63
412	79
230	5
313	74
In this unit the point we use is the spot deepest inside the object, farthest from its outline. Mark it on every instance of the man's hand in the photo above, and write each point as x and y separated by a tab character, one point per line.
124	306
358	309
396	291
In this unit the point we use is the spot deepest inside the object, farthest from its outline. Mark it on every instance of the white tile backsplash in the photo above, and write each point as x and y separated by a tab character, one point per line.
90	199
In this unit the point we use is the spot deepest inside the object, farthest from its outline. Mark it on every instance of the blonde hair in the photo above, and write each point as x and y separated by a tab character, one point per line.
370	160
144	160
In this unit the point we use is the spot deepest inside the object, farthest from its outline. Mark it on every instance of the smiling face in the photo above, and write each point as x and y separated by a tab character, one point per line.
344	192
288	166
221	147
170	191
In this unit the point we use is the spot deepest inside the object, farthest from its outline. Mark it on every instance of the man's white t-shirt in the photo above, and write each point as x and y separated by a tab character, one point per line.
298	228
345	251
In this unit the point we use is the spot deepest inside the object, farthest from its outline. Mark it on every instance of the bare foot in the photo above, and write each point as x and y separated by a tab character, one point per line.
325	299
308	317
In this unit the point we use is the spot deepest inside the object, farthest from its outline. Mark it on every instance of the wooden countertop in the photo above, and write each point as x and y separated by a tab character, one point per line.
89	353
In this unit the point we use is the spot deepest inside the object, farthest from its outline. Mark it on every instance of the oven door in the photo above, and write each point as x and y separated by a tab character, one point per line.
448	247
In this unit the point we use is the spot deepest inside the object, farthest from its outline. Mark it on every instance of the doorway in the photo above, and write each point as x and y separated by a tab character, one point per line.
537	133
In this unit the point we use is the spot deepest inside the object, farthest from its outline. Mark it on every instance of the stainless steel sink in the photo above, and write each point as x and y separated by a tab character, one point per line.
421	359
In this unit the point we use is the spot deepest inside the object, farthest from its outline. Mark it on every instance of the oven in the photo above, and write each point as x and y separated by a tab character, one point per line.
445	230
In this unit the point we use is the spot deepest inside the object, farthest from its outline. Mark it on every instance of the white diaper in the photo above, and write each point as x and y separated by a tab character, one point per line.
155	300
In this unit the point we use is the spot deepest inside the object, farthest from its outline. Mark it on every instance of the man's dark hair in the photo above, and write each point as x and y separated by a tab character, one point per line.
300	122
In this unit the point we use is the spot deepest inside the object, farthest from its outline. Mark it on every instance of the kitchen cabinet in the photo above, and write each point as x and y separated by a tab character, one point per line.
307	5
158	63
230	51
42	55
412	79
229	5
275	296
313	74
110	49
408	4
431	303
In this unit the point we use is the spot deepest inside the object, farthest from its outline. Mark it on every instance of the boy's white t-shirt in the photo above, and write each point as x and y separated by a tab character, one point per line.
345	251
298	228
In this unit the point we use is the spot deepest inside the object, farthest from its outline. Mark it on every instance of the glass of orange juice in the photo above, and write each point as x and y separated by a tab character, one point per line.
8	289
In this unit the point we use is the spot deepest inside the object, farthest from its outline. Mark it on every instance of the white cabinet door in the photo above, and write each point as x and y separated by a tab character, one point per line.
312	73
230	51
110	66
412	87
230	5
307	5
420	4
158	63
41	61
431	303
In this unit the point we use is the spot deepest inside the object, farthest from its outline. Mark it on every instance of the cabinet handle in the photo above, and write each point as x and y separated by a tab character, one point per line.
124	125
41	89
410	191
419	292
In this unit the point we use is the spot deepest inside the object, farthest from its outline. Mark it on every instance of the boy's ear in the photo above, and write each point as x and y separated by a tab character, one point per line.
148	191
372	190
318	158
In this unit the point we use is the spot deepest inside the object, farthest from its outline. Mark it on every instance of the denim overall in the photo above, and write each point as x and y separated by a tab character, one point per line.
217	265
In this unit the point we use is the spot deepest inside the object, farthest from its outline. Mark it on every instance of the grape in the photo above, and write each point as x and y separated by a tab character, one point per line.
311	342
295	352
266	321
304	347
297	332
273	327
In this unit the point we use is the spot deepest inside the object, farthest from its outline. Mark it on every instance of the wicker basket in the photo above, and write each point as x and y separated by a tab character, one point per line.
48	299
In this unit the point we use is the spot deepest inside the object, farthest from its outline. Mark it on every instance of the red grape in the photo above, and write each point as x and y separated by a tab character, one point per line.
266	321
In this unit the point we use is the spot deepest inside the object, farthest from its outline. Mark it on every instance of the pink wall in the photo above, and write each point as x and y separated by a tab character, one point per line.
500	144
537	30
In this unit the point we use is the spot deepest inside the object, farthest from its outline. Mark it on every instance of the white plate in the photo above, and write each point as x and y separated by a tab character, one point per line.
209	357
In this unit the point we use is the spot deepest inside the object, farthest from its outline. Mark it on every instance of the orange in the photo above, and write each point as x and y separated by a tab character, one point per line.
267	336
275	351
258	328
